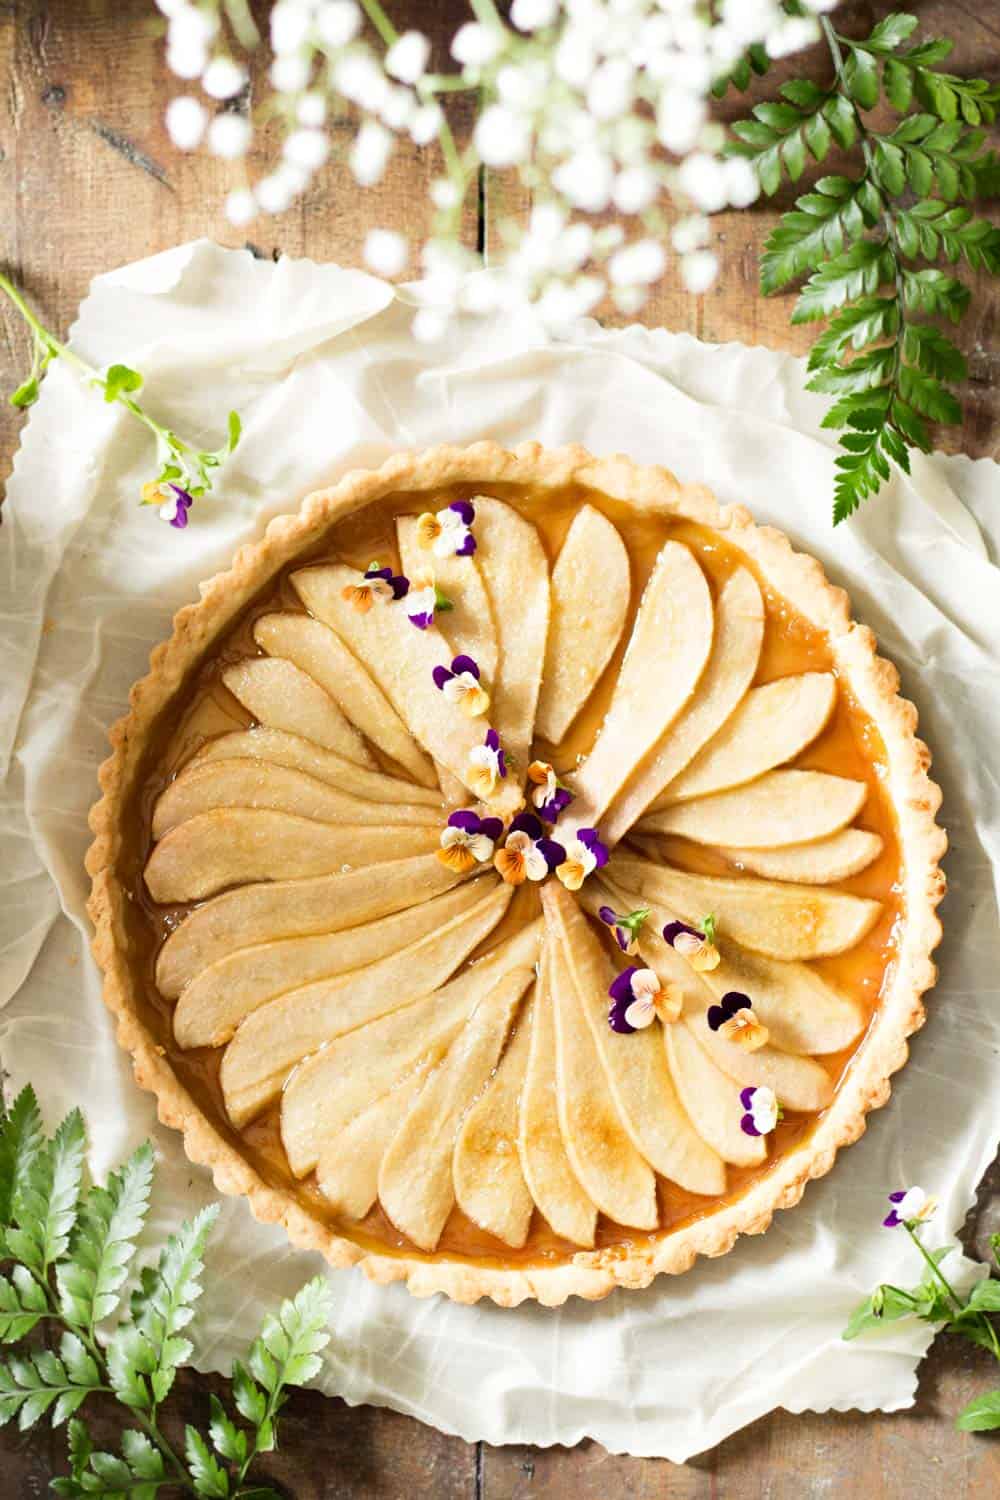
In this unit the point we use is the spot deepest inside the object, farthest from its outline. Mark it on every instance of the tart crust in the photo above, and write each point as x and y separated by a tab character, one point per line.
874	683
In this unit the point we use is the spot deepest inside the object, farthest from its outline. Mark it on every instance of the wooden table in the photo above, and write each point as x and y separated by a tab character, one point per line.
89	180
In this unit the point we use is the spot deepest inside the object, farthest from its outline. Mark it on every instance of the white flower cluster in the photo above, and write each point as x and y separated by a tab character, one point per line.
600	106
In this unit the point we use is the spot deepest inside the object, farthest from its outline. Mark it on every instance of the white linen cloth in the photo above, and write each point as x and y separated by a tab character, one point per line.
321	365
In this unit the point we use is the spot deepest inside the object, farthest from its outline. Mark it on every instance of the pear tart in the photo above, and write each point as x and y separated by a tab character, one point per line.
517	874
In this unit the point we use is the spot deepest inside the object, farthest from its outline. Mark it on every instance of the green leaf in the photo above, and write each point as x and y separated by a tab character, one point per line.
45	1201
981	1415
985	1295
890	167
210	1479
79	1445
859	271
143	1458
119	381
250	1400
32	1385
296	1336
928	396
22	1304
26	394
235	429
863	323
102	1248
932	291
886	1305
892	31
817	136
227	1439
165	1301
842	121
861	78
914	430
933	353
806	238
22	1137
864	411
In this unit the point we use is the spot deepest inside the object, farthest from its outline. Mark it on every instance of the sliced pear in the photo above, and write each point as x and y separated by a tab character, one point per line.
781	807
590	598
415	1183
319	651
257	783
453	793
515	570
801	1011
551	1180
635	1066
771	726
214	1004
468	627
666	656
611	1169
402	660
294	908
739	632
781	921
489	1184
327	1090
347	1172
274	1038
282	749
823	863
234	845
799	1082
711	1098
282	697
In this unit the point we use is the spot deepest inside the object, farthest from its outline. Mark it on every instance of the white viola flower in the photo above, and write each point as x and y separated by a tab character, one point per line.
679	119
503	138
307	148
699	270
486	765
468	840
646	987
370	152
425	124
241	206
909	1206
223	78
637	264
742	185
229	135
385	251
586	179
291	72
338	22
408	56
532	15
610	90
186	119
762	1110
635	189
474	45
291	22
448	532
311	109
702	178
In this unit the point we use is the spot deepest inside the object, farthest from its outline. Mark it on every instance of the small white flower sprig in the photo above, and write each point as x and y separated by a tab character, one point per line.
595	104
184	473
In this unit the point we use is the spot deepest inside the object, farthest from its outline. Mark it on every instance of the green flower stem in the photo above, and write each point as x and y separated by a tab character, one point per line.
386	30
935	1269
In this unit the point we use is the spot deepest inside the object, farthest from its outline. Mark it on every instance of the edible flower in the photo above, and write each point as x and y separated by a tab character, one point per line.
447	534
909	1206
694	944
527	854
550	796
734	1020
487	765
173	502
425	600
625	928
762	1110
584	855
461	686
377	586
638	997
468	840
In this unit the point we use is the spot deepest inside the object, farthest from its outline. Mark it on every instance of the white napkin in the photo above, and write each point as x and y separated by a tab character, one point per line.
321	365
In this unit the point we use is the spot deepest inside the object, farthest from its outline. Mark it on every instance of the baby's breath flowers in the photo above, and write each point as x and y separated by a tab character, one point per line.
596	105
184	473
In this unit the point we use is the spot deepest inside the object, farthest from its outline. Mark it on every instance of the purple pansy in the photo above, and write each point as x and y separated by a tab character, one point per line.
552	852
625	928
549	795
459	665
472	823
762	1110
909	1206
448	532
461	685
731	1002
590	839
620	990
172	501
399	585
673	930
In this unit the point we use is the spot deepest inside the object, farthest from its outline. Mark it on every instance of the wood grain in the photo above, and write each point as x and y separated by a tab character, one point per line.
89	180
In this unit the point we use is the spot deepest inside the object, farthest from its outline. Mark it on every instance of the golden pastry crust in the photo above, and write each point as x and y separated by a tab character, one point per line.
873	681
